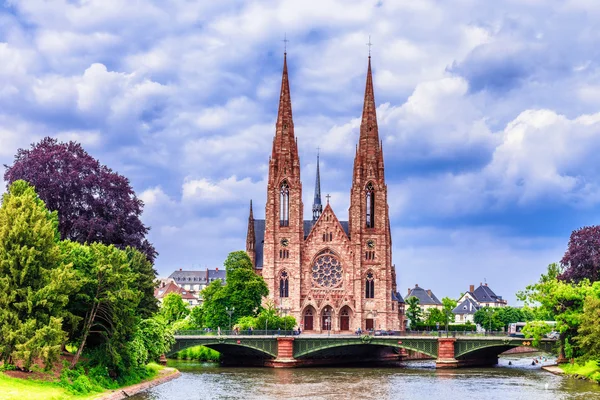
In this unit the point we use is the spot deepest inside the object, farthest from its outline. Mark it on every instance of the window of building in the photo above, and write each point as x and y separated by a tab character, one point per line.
370	286
284	212
370	211
283	284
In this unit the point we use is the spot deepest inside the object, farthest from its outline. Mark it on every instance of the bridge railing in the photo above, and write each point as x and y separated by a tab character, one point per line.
255	332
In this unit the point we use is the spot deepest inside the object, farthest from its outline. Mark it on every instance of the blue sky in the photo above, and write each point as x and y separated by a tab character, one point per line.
489	116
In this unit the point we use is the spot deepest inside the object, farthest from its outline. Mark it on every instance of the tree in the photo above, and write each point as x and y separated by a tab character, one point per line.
434	315
588	334
582	258
509	315
413	312
487	318
108	298
173	308
94	203
244	292
157	337
197	317
34	284
449	305
560	300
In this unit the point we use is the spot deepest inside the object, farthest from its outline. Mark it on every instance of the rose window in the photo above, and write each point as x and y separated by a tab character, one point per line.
327	270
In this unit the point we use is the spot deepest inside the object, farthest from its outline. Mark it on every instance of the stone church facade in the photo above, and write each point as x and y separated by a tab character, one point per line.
331	275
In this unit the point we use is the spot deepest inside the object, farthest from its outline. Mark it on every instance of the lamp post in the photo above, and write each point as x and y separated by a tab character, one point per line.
447	312
230	312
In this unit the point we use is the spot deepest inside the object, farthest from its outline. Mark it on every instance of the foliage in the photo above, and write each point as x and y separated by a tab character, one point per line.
243	293
413	312
588	334
199	353
173	308
34	285
94	203
582	258
488	318
589	369
536	330
448	305
107	301
435	315
196	317
563	301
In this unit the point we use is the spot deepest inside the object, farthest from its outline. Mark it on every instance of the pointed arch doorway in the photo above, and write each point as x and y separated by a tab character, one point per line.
307	319
327	319
345	319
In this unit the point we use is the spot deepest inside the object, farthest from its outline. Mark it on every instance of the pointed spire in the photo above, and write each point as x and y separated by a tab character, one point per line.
317	207
368	126
284	115
251	217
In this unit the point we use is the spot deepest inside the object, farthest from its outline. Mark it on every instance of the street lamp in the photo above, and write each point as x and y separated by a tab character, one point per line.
489	312
230	312
447	312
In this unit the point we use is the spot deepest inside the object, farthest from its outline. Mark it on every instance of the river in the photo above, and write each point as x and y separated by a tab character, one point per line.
413	380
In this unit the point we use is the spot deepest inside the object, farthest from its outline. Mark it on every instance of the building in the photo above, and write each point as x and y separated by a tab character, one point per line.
166	286
473	300
197	280
427	300
330	274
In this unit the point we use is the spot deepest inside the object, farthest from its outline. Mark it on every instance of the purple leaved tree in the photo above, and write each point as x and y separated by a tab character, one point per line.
94	203
582	258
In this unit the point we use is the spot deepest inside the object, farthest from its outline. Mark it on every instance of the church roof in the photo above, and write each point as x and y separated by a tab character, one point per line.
259	229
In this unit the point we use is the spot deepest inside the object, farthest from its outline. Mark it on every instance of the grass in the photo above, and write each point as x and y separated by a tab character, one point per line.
16	388
199	353
590	370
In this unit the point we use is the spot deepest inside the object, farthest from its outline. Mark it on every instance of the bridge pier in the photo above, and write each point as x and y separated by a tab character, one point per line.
285	354
446	354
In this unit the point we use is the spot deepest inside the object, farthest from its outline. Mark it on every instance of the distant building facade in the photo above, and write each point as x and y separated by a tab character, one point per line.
166	286
427	300
197	280
476	298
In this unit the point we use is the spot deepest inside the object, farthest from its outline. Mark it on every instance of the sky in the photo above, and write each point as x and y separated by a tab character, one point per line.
489	113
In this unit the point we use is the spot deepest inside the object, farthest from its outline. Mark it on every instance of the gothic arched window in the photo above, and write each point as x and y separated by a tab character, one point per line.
370	205
370	286
283	284
284	205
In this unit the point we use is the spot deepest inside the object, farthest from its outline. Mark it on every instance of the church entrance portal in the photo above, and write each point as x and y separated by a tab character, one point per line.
326	319
308	320
345	320
369	324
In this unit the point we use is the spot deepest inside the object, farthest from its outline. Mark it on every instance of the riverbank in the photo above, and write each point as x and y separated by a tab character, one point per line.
35	389
590	370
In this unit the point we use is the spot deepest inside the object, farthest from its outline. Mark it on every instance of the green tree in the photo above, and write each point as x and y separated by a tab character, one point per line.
34	283
173	308
488	318
434	315
588	334
448	305
413	312
509	315
215	301
237	260
197	317
244	292
559	301
157	337
145	282
108	300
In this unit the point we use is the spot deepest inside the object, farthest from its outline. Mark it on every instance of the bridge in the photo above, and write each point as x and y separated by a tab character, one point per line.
291	351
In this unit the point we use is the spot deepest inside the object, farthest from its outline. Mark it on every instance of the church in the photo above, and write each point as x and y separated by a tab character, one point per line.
331	275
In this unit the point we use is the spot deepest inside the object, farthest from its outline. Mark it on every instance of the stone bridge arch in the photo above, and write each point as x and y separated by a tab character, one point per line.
230	347
491	347
311	347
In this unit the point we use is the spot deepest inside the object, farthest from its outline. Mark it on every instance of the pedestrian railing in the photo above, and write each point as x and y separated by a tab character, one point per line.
245	332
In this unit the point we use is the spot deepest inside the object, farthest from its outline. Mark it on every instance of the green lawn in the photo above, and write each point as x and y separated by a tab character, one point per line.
14	388
591	370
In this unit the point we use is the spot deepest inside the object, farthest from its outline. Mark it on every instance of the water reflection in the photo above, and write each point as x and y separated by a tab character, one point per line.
413	381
